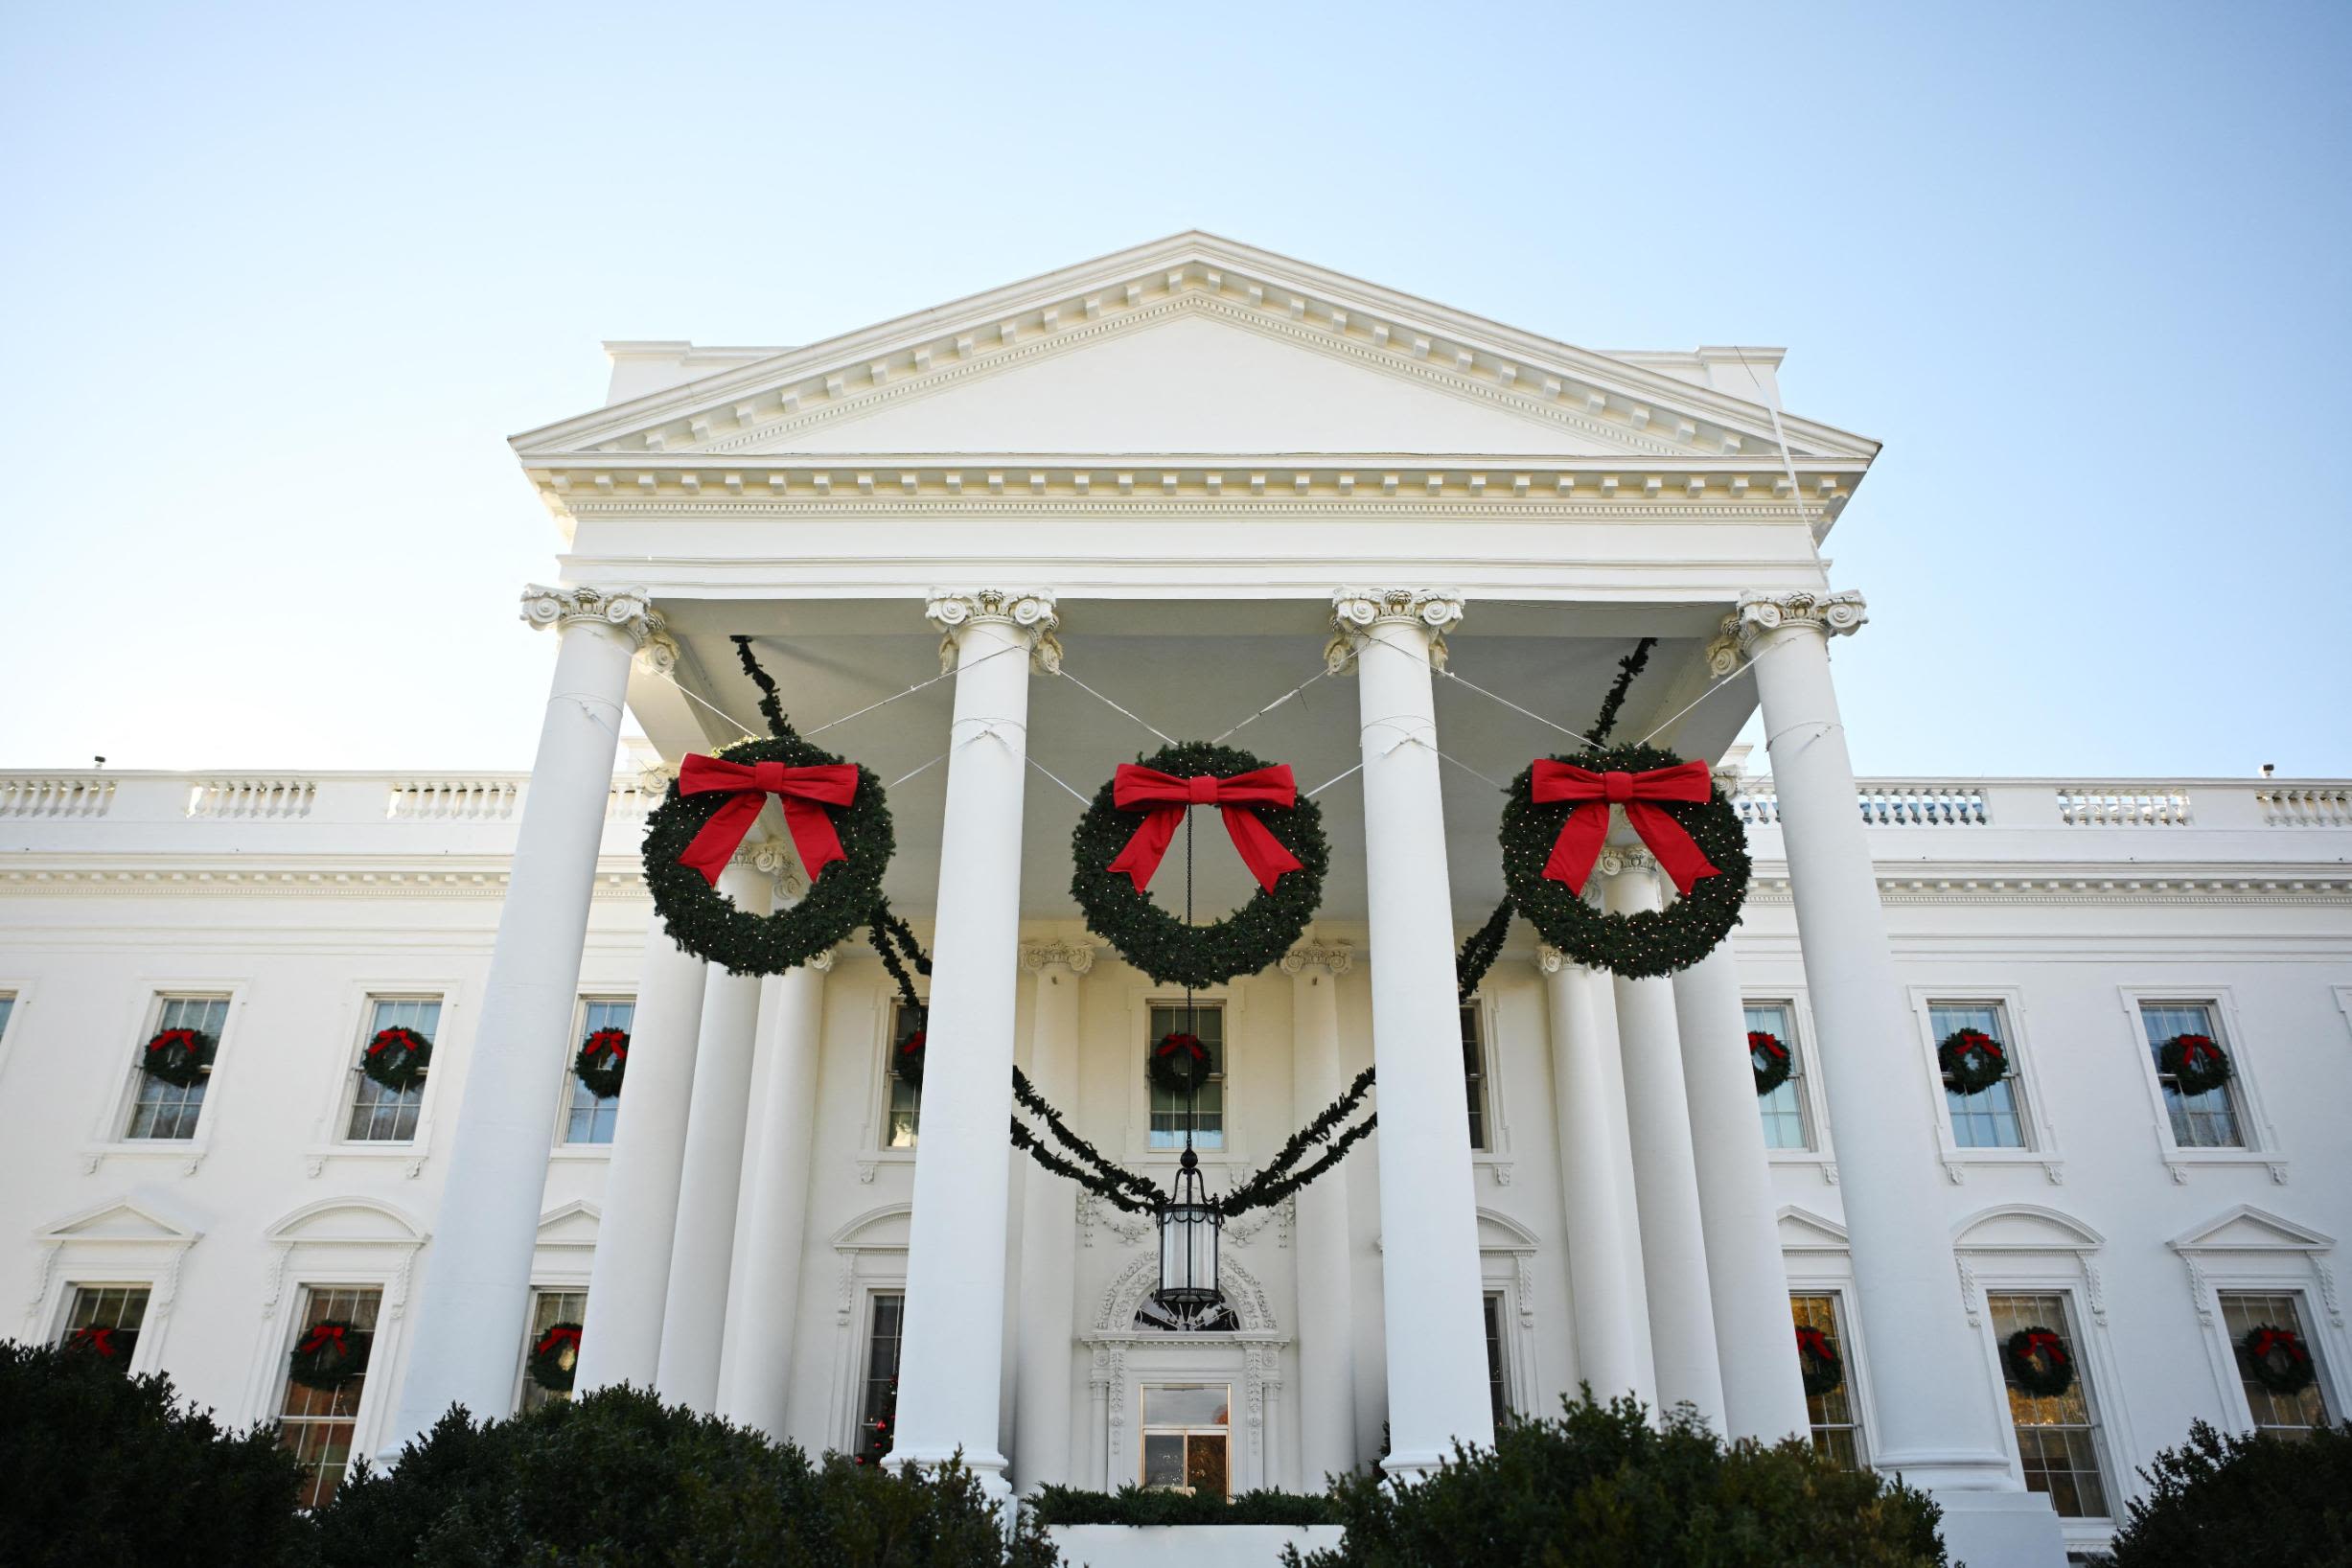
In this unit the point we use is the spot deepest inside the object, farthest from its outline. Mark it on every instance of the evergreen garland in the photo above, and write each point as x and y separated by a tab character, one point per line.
2195	1063
1112	1183
1818	1362
1649	942
603	1061
330	1350
555	1359
1628	667
1479	953
907	1061
1278	1181
1768	1054
1972	1061
1174	952
179	1057
2277	1359
2038	1363
397	1057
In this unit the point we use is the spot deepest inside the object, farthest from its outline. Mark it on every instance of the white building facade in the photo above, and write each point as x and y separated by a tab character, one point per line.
994	549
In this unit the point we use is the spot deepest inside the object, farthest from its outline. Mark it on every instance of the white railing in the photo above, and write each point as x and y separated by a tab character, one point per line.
252	798
2322	806
455	799
53	796
1882	804
2122	805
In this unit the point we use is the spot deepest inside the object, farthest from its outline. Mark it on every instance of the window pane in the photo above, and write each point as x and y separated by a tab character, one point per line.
168	1109
877	1410
7	1005
2200	1122
906	1117
1206	1020
315	1425
111	1316
1784	1109
1164	1459
1992	1119
1186	1406
390	1115
1205	1462
2283	1415
548	1307
2054	1433
586	1117
1474	1076
1836	1430
1496	1394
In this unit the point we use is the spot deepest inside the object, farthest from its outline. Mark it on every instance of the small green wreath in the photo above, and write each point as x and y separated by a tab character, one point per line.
2195	1063
2277	1359
328	1352
906	1062
555	1357
603	1062
1768	1054
1972	1061
397	1057
1180	1063
2036	1363
1818	1362
179	1057
1165	947
841	897
1649	942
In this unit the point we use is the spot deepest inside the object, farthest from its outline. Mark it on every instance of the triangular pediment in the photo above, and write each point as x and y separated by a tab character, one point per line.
1803	1231
573	1225
127	1220
1192	345
2247	1228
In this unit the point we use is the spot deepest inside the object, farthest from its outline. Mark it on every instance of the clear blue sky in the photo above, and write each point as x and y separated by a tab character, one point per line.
253	257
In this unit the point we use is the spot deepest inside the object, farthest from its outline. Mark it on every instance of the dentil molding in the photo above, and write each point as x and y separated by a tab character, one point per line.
1031	612
1355	610
628	610
1831	614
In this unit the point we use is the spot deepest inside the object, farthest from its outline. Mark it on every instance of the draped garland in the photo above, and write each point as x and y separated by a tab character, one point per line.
1479	952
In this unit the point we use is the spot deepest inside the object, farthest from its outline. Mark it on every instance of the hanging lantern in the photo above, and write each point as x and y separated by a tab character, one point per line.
1189	1227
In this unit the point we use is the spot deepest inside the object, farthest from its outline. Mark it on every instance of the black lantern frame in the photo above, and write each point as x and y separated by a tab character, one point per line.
1191	1225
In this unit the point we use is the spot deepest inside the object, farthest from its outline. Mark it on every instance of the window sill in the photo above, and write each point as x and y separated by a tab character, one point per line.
582	1153
1823	1164
871	1161
2177	1162
1958	1161
1501	1167
411	1154
187	1152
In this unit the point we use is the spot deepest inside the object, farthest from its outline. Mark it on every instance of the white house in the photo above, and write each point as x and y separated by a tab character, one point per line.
990	551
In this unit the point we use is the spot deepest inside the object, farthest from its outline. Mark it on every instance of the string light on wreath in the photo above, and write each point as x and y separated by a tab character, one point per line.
2278	1359
555	1357
2195	1063
177	1056
1768	1055
2038	1363
1818	1362
328	1352
1972	1061
397	1057
603	1061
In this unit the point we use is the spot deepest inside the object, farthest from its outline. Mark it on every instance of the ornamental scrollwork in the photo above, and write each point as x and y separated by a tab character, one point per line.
1336	957
630	610
1355	610
1756	614
1032	612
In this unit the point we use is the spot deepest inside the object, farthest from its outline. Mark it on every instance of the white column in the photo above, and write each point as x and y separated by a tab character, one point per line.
1437	1350
1327	1303
1665	1175
1604	1250
1938	1413
1047	1285
475	1298
763	1287
694	1312
1763	1392
630	1277
950	1372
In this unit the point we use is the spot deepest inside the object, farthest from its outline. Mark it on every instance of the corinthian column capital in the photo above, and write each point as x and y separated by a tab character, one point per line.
1356	611
629	611
1831	614
1030	611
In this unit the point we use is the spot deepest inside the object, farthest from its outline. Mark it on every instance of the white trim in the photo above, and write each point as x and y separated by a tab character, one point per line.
2261	1145
2034	1114
2293	1263
107	1139
1141	997
558	1146
883	1002
12	1031
1820	1153
69	1258
357	1011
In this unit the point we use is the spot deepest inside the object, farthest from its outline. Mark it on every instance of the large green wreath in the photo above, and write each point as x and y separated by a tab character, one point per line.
707	923
1165	946
1649	942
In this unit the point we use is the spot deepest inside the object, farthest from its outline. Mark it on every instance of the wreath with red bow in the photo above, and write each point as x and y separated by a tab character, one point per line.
1972	1061
603	1062
2278	1359
1121	840
1180	1063
1768	1055
397	1057
2038	1362
555	1358
1818	1362
177	1056
328	1350
908	1060
1555	825
840	827
2195	1063
110	1345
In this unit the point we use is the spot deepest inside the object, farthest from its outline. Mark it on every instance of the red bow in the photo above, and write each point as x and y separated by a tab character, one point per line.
560	1335
804	791
385	1039
2266	1340
1187	1043
2043	1339
1813	1342
2193	1045
1758	1040
914	1043
320	1334
610	1042
1973	1039
1162	798
96	1341
1581	835
174	1037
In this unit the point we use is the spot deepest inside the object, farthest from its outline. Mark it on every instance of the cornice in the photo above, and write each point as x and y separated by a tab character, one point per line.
2141	888
615	878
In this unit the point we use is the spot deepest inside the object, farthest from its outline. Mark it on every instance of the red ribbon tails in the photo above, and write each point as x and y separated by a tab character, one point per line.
1162	798
1578	847
805	793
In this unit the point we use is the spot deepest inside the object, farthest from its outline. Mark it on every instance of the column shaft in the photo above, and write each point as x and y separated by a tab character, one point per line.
1682	1345
1327	1306
1048	1235
630	1277
693	1311
1605	1254
1763	1393
475	1298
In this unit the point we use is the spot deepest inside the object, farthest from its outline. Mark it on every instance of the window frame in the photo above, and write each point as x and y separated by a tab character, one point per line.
1496	1159
1144	1430
137	1023
18	993
1223	1077
541	1290
2251	1251
158	1004
1822	1155
2307	1323
348	1080
1842	1321
2094	1372
1802	1074
382	1369
1141	997
874	1144
2261	1145
561	1146
2034	1118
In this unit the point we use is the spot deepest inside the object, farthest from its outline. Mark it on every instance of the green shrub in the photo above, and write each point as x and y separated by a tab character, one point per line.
2218	1502
97	1467
1132	1505
619	1478
1600	1486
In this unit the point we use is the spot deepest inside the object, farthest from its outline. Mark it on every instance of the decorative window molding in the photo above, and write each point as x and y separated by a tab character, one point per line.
1821	1153
563	1147
17	994
1141	996
1123	1359
349	1241
2034	1114
131	1241
873	1150
2251	1249
1506	1252
2262	1145
1819	1261
871	1254
338	1072
1496	1157
142	1011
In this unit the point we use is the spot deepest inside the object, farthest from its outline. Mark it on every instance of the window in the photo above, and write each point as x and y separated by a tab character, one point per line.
390	1115
7	1005
1994	1118
1838	1431
2057	1434
549	1307
2200	1122
877	1411
166	1110
906	1118
586	1117
112	1314
1474	1075
1784	1109
1497	1391
317	1425
2280	1415
1185	1429
1206	1020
